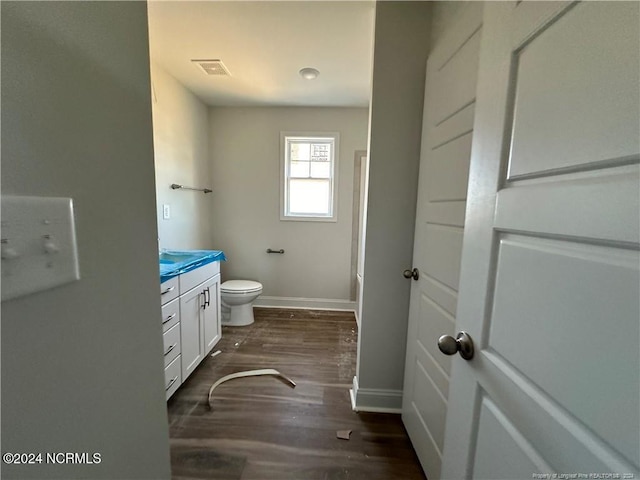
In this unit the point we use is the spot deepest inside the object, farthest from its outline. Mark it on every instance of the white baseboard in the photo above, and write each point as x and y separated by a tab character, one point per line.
306	303
375	400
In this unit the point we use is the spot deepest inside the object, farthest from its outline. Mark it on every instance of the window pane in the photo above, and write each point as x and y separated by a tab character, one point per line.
321	169
320	152
309	197
300	151
299	169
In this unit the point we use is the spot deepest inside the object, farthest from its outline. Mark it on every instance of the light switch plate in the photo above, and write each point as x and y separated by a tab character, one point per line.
39	249
166	211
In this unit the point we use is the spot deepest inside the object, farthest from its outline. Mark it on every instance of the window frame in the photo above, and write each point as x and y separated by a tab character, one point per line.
285	215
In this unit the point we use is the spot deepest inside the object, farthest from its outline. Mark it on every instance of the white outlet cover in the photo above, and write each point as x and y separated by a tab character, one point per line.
166	212
38	244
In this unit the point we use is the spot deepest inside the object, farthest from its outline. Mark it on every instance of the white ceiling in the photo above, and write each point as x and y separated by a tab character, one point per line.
264	44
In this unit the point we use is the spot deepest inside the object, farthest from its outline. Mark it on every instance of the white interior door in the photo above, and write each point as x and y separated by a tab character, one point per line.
447	130
549	280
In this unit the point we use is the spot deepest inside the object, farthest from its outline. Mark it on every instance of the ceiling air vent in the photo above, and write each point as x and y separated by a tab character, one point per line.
212	67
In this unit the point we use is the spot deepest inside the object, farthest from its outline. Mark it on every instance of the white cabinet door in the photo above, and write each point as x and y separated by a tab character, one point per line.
549	279
200	327
212	330
191	306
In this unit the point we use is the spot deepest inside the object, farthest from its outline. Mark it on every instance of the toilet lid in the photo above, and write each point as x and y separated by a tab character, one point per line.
239	286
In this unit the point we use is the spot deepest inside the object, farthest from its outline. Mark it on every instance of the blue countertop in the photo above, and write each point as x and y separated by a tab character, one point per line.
177	262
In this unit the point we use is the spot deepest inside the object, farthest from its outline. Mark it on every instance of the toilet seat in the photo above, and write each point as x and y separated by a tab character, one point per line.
239	287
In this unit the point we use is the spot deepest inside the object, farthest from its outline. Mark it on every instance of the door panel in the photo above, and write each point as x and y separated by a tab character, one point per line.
498	437
442	257
439	321
521	301
594	194
435	373
443	296
446	213
444	163
430	405
565	443
454	127
456	76
553	126
449	166
550	274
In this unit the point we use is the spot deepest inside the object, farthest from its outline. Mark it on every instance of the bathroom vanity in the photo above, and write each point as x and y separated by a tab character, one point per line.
190	296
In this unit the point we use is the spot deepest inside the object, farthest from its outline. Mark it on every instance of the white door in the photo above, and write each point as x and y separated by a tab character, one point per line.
549	281
447	129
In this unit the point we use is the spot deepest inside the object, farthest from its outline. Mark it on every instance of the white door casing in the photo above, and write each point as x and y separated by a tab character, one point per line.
550	280
447	129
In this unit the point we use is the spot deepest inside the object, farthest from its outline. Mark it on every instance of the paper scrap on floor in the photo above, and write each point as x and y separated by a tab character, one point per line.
343	434
252	373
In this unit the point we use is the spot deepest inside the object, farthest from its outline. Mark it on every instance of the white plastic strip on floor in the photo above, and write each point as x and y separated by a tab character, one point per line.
252	373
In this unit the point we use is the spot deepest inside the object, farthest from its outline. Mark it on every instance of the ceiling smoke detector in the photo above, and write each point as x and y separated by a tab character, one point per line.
213	67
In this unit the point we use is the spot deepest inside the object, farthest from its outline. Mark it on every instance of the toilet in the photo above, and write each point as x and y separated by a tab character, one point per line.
237	298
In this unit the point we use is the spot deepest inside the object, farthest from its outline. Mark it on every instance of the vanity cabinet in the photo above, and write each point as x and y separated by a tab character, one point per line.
191	321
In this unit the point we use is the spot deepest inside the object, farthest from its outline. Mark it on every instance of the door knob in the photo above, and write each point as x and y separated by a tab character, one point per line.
462	343
415	274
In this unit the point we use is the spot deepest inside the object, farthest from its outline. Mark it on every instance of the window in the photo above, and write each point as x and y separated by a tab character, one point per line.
309	166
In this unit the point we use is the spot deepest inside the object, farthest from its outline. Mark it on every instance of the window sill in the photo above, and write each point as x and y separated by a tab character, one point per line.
291	218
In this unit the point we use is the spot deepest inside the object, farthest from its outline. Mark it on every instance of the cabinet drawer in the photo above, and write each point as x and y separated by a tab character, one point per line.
172	377
170	314
171	341
169	290
196	277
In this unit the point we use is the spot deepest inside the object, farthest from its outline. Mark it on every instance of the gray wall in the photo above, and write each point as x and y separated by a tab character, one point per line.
245	160
400	55
82	367
181	144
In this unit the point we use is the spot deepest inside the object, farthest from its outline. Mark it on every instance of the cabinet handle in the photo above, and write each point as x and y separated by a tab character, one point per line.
173	380
169	349
170	289
207	297
170	317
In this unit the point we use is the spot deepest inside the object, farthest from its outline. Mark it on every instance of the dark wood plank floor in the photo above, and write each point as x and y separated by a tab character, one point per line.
261	429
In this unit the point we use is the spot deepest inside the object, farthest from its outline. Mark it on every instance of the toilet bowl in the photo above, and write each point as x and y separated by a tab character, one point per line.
237	298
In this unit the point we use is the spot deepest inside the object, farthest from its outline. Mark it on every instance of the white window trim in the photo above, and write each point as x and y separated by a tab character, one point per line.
283	177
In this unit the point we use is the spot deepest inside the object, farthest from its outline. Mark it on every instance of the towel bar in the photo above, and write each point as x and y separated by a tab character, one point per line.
175	186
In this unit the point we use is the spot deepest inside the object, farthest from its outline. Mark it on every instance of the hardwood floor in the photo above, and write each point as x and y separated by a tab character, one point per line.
261	429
